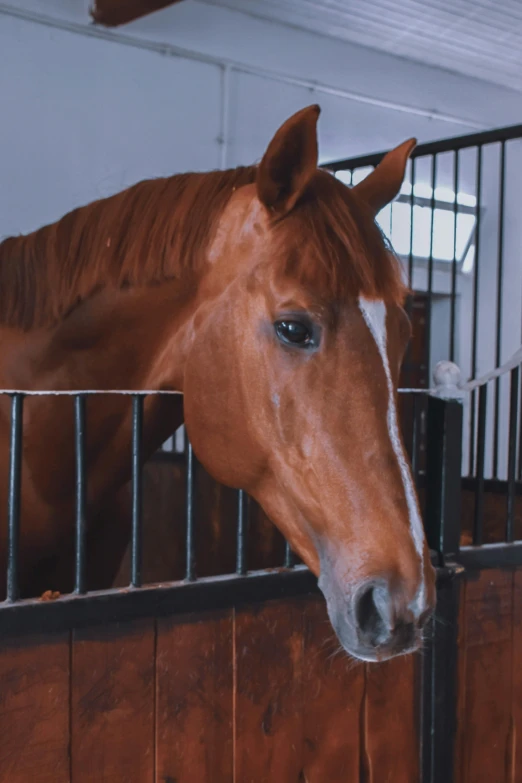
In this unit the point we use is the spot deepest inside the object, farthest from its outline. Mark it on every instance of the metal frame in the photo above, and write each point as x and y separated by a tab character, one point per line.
454	144
443	485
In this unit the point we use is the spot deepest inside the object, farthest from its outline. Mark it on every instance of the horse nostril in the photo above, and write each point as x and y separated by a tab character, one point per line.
382	618
371	616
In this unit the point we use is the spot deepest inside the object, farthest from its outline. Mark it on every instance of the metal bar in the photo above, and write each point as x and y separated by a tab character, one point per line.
174	598
190	570
80	582
14	496
512	452
443	477
426	731
434	147
454	262
519	472
410	255
430	268
474	344
498	344
415	440
478	518
491	556
137	491
440	686
242	523
290	559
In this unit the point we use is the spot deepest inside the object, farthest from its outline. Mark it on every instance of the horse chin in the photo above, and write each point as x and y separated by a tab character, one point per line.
376	654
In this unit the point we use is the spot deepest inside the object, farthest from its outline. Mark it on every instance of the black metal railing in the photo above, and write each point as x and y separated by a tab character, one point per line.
466	292
440	482
14	497
80	588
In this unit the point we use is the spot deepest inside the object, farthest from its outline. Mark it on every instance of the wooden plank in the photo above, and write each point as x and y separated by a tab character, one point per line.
112	13
195	699
112	710
391	741
516	760
486	750
269	660
34	710
333	691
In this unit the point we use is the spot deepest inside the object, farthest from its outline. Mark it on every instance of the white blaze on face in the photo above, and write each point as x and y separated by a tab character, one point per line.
374	314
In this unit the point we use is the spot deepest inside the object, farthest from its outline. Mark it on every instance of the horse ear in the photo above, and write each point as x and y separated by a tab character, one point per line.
382	185
289	162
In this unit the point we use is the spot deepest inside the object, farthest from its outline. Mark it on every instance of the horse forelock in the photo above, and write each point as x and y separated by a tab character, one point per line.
331	242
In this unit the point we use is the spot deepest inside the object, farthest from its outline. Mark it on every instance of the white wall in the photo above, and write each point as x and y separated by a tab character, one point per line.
86	111
82	118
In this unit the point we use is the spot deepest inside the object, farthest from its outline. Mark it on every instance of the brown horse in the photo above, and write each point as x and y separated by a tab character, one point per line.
268	297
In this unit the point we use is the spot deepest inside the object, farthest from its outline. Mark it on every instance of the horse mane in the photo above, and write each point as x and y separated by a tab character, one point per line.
143	235
157	228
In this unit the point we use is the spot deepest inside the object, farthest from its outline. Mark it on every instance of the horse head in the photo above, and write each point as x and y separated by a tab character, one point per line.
291	364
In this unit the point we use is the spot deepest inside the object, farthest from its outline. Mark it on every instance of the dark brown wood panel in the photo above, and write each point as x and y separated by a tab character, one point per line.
486	745
34	710
269	668
391	729
333	693
112	710
194	697
116	12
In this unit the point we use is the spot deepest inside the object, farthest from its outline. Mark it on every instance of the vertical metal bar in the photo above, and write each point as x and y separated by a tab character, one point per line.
519	473
412	200
443	529
242	521
81	495
289	556
137	491
13	498
512	452
440	686
478	520
454	263
443	477
430	266
500	270
411	296
415	440
474	345
391	221
426	707
190	571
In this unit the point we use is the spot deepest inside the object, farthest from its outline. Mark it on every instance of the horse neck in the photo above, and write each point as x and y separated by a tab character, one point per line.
132	339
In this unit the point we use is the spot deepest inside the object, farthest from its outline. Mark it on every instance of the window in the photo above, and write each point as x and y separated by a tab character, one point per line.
447	243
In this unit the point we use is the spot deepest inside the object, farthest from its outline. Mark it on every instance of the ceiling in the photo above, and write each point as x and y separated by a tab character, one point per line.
478	38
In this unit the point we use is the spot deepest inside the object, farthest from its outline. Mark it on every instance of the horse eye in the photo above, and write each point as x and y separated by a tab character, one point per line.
294	333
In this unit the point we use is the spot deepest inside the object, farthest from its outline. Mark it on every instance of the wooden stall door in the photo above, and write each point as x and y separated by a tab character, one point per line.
261	694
